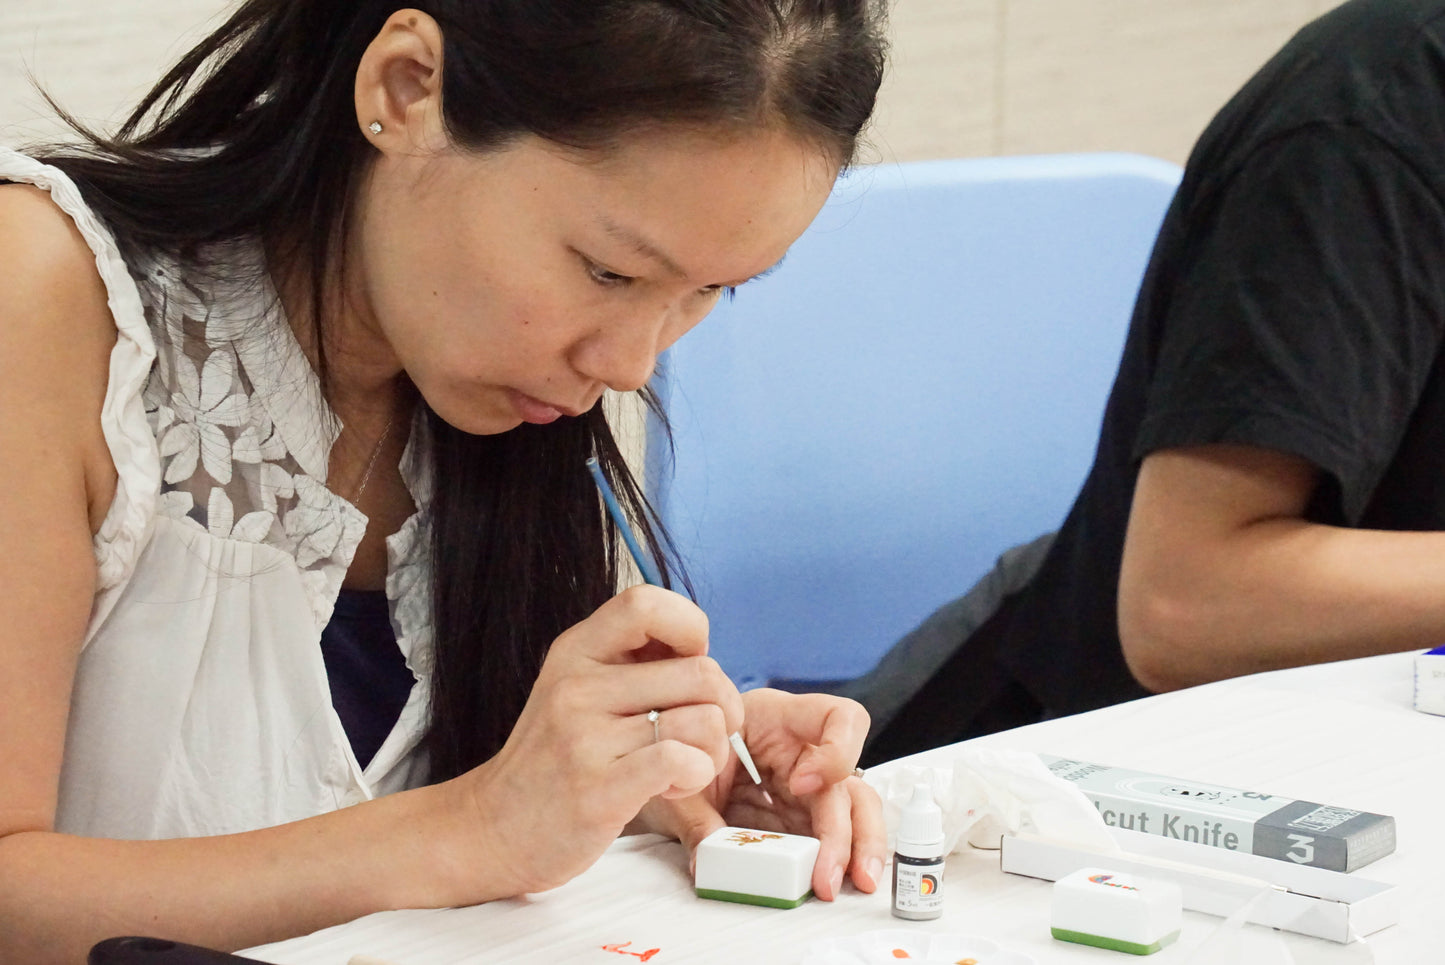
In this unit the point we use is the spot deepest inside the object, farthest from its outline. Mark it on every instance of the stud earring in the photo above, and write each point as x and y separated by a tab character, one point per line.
374	127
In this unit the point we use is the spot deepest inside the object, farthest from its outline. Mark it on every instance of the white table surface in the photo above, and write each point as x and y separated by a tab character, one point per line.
1342	734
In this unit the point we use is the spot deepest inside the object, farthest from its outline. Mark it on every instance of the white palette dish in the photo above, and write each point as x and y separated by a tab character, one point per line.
883	947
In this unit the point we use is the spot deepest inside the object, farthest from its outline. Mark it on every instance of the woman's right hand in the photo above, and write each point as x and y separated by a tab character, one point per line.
582	761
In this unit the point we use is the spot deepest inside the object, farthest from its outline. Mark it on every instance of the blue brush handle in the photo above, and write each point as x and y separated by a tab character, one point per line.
644	562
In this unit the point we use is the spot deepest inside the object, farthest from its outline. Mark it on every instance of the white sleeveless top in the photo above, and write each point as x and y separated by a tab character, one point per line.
201	704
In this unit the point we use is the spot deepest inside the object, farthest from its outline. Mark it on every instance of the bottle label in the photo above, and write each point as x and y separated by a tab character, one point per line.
917	885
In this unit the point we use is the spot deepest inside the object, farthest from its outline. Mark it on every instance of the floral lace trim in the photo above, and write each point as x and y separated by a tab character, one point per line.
225	358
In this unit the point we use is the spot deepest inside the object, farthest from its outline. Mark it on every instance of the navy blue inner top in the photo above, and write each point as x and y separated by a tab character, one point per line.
368	675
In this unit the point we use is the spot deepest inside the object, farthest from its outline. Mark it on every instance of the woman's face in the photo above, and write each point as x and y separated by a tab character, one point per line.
515	285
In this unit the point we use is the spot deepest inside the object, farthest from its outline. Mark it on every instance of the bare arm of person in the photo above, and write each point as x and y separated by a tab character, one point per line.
1223	576
578	767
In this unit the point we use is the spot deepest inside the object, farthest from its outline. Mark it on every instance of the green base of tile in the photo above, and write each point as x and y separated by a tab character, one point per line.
752	899
1099	941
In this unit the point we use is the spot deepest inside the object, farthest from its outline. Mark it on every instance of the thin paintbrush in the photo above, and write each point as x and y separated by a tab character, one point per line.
654	578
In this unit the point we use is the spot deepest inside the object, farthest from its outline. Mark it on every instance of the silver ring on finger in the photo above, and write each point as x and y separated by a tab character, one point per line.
653	717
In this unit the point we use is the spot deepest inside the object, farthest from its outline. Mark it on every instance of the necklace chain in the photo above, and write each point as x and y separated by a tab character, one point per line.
371	463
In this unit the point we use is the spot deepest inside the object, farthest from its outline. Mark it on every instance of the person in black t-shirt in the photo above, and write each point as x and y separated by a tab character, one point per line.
1269	486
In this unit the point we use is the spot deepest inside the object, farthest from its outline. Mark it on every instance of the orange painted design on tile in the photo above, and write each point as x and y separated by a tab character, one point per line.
752	837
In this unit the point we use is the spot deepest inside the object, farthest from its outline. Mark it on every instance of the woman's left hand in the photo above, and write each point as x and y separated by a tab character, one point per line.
805	747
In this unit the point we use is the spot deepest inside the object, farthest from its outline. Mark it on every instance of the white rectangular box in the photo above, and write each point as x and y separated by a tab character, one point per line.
1301	832
1430	681
1326	904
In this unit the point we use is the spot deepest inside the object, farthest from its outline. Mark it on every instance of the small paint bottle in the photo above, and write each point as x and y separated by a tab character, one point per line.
918	859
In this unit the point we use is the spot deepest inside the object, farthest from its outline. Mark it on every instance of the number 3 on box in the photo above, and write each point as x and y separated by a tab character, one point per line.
1303	850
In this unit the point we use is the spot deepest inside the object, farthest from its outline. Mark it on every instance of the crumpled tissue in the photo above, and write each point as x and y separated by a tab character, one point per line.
985	794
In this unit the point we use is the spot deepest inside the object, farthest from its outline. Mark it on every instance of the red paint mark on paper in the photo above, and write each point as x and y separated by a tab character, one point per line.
621	949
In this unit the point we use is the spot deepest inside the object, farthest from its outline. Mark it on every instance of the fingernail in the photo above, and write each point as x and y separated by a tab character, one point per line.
873	868
808	783
836	882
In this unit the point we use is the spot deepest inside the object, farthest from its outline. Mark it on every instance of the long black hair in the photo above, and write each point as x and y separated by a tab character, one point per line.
253	134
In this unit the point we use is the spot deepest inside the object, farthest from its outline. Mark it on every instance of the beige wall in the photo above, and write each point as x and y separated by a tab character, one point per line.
94	56
1033	76
968	76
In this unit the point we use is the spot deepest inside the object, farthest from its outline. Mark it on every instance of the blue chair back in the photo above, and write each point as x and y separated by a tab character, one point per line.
916	389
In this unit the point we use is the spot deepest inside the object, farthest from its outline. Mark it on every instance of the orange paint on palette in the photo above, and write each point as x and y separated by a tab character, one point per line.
900	953
966	961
